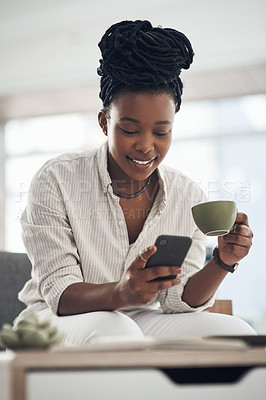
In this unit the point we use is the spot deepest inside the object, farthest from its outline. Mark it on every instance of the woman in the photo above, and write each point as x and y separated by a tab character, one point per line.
92	218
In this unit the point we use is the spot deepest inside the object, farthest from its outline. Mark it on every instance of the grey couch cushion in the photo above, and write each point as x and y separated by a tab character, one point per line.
15	270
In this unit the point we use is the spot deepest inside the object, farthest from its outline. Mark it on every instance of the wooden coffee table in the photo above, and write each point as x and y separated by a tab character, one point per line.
18	371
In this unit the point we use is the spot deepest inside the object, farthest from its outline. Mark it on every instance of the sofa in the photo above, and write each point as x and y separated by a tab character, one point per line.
15	270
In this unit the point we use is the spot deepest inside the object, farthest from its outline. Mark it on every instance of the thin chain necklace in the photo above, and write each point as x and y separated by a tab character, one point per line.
131	196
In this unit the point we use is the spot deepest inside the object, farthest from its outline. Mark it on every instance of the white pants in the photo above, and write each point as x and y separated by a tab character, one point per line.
79	329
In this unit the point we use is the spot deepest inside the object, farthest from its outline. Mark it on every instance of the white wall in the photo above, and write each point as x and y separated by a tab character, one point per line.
53	44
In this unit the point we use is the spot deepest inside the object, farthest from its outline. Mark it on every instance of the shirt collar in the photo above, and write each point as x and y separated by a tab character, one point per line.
106	179
161	198
103	167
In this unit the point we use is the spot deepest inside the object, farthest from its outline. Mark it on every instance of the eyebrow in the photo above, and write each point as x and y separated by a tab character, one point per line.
138	122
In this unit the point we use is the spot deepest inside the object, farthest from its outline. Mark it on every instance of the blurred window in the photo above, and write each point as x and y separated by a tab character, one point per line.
28	145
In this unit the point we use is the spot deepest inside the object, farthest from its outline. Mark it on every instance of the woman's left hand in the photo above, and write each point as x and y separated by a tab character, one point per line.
236	244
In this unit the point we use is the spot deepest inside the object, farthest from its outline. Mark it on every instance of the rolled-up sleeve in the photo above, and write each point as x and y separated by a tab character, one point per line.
171	299
49	240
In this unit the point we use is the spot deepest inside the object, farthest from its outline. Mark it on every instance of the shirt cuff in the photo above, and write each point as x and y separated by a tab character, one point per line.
171	299
53	293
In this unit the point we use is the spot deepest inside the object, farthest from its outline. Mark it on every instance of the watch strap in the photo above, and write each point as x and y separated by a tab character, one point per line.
218	261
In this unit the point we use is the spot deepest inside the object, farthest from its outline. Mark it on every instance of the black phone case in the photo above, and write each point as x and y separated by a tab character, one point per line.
171	250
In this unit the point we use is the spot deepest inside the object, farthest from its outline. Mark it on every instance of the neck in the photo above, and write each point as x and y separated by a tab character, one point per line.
121	181
135	194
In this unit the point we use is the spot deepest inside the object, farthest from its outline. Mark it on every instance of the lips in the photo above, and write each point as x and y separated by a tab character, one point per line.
143	162
140	163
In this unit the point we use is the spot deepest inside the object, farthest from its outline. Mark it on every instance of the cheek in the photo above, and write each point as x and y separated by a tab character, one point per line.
116	143
165	146
111	137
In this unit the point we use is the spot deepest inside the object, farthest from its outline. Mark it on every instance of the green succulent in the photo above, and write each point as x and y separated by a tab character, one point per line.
29	333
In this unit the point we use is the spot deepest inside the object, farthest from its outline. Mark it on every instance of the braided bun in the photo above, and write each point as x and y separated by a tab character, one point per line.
136	55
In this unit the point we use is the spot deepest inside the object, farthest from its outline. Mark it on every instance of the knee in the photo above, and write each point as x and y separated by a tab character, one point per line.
237	326
82	328
114	323
221	324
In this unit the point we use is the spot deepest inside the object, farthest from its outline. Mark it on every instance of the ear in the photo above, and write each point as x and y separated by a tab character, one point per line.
102	119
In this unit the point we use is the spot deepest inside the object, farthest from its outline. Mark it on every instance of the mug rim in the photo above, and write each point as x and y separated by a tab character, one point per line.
214	201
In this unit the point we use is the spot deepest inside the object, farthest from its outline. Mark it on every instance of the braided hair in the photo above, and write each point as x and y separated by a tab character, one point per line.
137	56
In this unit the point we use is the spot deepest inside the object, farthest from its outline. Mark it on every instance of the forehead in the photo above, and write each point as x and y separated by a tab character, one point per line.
143	106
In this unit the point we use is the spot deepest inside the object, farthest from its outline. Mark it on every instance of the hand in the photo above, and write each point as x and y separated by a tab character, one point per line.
236	244
137	287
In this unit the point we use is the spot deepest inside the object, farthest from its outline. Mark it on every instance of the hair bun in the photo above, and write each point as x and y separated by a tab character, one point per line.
134	54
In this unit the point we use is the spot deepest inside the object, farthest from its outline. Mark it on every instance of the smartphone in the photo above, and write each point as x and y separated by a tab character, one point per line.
171	250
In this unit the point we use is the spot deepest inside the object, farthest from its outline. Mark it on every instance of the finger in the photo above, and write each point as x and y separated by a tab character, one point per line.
237	240
160	272
143	257
243	230
156	286
242	218
239	230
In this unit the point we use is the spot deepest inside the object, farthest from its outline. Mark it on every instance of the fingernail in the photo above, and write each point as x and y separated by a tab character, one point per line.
150	248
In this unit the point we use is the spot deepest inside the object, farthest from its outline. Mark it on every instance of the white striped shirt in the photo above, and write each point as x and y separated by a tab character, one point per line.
74	229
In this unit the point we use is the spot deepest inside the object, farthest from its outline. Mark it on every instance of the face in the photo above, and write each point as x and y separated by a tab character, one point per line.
139	131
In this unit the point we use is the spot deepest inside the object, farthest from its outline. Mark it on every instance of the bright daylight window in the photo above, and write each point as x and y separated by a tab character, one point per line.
219	144
28	145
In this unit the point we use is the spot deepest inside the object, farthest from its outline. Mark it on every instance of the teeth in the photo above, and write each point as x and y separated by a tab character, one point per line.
143	162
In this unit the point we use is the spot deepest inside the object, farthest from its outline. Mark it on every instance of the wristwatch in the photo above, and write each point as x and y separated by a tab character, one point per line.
218	261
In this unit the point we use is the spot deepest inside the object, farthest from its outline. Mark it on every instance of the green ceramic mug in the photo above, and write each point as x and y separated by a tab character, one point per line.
215	218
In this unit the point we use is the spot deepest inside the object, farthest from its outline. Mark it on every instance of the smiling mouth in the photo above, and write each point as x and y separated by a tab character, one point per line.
142	162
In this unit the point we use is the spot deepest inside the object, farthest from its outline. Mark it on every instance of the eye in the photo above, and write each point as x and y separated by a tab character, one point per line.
129	132
161	133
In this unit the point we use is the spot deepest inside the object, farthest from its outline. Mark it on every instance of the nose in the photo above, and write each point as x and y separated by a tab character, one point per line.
145	143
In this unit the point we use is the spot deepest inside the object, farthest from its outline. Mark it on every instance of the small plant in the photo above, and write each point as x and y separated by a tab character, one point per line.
29	333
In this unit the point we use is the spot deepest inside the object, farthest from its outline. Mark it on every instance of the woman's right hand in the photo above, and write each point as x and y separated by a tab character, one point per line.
137	285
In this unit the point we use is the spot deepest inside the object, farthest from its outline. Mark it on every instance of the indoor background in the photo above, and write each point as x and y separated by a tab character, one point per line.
49	104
